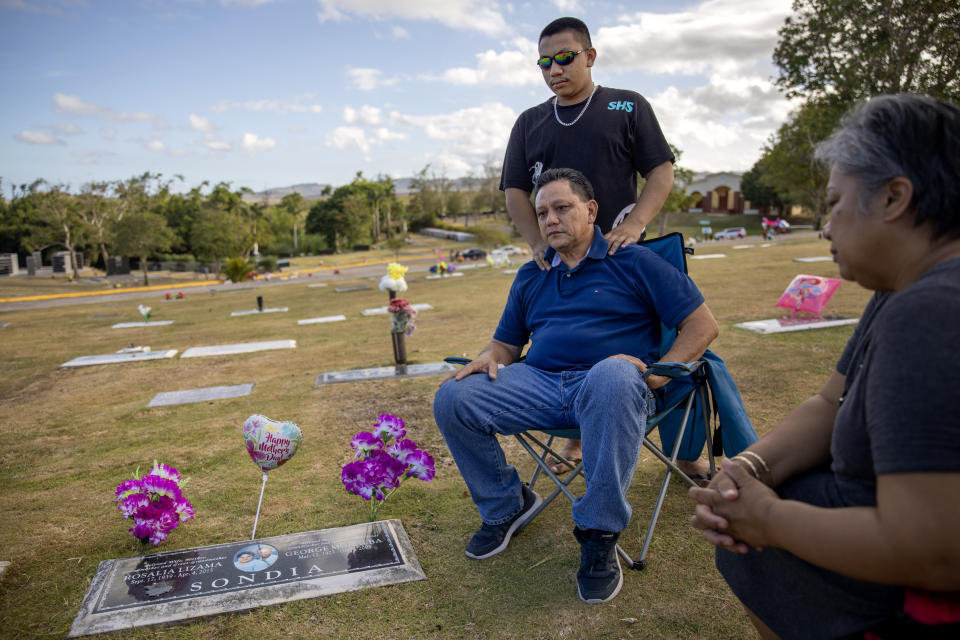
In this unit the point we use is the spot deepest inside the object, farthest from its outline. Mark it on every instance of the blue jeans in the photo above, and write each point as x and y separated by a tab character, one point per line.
610	403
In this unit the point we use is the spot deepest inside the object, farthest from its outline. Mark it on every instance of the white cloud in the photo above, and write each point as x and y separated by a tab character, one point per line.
473	15
66	103
400	33
253	144
474	133
200	123
714	35
91	157
567	6
108	133
347	137
367	115
67	129
369	79
383	133
213	143
156	145
37	137
245	3
508	68
299	104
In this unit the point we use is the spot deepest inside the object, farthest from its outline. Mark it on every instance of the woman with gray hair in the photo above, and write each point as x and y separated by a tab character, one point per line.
843	520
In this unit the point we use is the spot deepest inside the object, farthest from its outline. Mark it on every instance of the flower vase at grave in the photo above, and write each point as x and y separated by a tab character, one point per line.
399	339
259	303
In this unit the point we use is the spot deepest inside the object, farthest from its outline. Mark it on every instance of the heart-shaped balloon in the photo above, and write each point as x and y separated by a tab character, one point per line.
270	443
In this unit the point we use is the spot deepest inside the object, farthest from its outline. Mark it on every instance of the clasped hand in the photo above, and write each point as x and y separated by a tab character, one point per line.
734	511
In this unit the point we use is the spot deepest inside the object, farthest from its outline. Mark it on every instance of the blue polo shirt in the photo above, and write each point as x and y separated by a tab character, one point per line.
606	305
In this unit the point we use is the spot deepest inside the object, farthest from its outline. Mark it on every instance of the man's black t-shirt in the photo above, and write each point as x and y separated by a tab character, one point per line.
617	137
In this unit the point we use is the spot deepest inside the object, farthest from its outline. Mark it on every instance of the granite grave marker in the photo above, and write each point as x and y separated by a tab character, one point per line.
173	586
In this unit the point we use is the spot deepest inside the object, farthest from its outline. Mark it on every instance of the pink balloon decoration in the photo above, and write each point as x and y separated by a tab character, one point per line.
270	443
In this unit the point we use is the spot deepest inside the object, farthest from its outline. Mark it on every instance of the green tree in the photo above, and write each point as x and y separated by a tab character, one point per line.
488	196
295	206
142	234
61	224
787	165
847	50
217	234
353	212
426	201
99	211
678	199
19	218
757	191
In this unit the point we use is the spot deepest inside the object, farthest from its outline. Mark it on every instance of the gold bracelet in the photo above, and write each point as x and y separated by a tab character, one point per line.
749	463
756	456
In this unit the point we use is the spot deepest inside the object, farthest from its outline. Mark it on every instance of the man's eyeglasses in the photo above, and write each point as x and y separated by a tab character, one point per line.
563	59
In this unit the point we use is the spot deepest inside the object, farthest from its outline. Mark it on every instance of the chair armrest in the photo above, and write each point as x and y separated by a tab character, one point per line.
672	370
457	360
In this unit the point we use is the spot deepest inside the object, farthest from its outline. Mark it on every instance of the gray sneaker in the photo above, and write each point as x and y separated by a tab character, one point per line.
491	539
599	578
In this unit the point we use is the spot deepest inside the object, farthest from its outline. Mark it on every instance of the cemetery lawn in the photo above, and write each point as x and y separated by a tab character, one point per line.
68	437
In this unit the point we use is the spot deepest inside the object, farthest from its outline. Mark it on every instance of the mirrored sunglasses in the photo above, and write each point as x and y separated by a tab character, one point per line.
563	59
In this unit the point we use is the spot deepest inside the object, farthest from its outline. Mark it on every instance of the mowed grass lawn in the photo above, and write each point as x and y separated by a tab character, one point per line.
68	437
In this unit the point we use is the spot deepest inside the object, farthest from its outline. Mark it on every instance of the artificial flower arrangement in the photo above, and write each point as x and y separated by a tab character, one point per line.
383	460
155	502
394	280
401	316
168	295
144	311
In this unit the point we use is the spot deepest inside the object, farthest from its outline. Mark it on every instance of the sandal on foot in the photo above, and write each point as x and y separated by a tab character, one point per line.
559	466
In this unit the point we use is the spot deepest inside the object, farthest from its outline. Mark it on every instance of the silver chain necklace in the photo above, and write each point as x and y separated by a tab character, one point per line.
582	111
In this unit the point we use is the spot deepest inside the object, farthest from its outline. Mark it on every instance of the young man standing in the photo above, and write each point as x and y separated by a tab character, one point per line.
610	135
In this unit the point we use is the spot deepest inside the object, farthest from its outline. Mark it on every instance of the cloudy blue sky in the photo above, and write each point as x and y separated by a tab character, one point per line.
268	93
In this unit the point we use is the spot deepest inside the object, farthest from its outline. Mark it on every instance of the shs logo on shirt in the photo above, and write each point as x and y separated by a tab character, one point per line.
620	105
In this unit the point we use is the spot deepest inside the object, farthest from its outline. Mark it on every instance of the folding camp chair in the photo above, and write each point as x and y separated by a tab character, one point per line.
688	405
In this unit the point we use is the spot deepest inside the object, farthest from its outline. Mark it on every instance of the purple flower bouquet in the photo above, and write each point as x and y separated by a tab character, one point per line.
383	460
155	503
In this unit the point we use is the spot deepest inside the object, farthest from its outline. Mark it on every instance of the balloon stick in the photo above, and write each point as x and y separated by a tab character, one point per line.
253	535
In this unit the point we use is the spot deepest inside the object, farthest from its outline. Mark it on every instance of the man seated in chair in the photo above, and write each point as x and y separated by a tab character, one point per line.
594	320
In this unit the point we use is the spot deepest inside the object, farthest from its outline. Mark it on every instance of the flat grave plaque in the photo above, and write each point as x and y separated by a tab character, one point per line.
240	347
803	323
114	358
315	285
3	324
398	371
172	586
339	318
253	312
815	259
708	256
744	246
201	395
382	310
149	323
509	272
437	276
362	287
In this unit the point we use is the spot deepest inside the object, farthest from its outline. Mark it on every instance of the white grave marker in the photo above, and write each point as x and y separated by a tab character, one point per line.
201	395
240	347
339	318
115	358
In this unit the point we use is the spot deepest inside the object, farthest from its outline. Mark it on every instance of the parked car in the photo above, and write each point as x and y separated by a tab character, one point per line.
474	254
730	233
511	250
